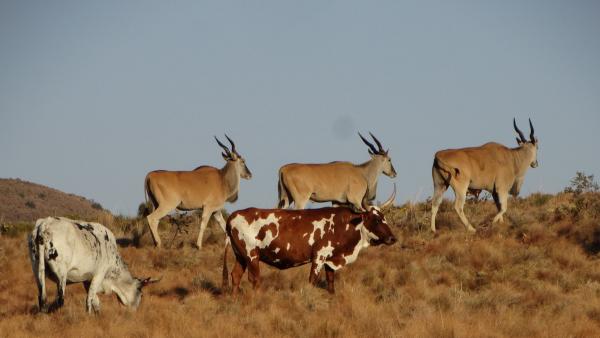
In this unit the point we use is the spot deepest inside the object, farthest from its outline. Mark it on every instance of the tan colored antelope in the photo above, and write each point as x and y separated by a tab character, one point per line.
492	167
337	182
205	188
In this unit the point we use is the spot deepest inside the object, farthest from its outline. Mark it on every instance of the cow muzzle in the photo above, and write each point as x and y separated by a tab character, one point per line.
390	240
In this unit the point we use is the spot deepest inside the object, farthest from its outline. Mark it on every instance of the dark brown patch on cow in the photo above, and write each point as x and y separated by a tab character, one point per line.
356	221
106	235
262	233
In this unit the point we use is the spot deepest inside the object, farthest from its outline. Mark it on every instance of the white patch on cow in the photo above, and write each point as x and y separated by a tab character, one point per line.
305	234
347	226
322	255
321	226
276	250
288	246
276	260
247	233
363	243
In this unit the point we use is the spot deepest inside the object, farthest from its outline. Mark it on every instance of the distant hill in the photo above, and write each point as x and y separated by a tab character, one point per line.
22	201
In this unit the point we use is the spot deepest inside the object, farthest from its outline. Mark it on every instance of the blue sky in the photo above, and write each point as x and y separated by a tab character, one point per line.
93	95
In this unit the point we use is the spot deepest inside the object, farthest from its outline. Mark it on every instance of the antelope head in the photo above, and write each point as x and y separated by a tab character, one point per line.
232	156
380	155
531	145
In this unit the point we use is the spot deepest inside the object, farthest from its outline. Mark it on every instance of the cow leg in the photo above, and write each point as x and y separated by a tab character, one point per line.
502	202
236	274
459	202
155	217
206	214
439	188
92	301
330	279
254	273
315	269
61	288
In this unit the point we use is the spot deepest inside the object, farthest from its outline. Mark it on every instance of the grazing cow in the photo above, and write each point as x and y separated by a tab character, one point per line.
78	251
342	183
492	167
328	237
205	187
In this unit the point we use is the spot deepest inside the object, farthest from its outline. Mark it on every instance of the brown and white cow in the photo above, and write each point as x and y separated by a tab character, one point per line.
327	237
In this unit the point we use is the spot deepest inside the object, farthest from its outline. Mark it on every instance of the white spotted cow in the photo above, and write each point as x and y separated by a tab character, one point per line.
328	237
69	251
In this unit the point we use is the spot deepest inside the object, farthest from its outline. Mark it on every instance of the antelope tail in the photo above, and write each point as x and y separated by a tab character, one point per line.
284	194
149	195
445	168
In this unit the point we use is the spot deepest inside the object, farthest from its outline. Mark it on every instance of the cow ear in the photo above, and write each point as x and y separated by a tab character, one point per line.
356	221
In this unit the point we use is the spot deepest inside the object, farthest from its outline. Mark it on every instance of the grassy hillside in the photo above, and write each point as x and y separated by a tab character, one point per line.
538	274
22	201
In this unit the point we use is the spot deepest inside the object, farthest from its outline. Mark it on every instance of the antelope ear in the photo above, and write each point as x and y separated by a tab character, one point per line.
225	157
519	141
370	152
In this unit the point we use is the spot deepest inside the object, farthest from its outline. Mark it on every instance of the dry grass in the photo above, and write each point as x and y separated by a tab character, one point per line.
535	275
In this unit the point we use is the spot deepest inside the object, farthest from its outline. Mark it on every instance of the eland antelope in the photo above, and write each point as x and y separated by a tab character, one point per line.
492	167
337	182
329	238
205	188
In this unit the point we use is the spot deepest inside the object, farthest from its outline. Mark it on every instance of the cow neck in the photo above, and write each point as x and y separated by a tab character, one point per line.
371	170
521	160
120	284
231	178
364	235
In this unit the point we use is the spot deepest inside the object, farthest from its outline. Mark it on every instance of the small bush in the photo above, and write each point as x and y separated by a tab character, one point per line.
30	204
96	205
582	183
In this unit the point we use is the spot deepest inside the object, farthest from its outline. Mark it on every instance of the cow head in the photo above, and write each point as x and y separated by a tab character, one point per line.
380	155
375	225
130	292
530	146
232	156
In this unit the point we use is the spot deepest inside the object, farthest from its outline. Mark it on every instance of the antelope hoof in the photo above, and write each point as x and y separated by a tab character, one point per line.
471	229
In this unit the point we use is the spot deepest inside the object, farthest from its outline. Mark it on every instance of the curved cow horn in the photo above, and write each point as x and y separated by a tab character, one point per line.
232	144
149	280
531	137
368	143
523	139
390	200
224	147
378	143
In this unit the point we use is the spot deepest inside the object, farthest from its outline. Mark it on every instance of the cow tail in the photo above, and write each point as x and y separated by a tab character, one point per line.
38	263
225	283
284	194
